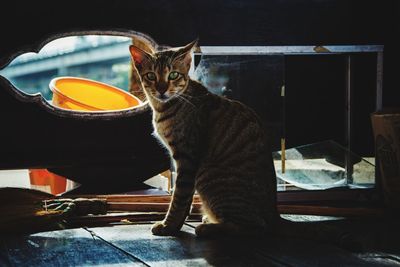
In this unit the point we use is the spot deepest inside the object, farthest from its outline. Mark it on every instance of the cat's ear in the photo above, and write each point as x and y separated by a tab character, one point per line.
138	55
184	54
189	47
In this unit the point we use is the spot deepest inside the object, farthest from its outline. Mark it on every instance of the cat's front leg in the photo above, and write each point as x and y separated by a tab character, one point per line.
179	207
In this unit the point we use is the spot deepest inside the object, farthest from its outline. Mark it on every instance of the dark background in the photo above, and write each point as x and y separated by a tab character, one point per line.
252	22
24	25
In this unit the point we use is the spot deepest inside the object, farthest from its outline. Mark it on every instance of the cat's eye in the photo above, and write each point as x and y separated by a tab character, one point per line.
151	76
173	75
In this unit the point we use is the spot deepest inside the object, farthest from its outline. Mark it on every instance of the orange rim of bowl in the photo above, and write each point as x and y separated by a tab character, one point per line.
54	89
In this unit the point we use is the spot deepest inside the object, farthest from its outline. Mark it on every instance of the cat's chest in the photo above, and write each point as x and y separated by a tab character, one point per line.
169	131
177	126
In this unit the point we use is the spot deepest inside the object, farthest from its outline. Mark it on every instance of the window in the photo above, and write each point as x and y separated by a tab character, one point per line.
101	58
309	98
313	103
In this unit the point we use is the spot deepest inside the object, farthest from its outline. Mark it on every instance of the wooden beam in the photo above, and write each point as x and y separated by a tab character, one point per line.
153	203
124	218
134	198
145	207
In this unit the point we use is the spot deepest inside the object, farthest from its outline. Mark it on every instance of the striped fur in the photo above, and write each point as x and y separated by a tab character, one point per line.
218	147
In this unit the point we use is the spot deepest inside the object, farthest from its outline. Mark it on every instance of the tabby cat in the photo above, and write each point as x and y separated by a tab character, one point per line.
218	147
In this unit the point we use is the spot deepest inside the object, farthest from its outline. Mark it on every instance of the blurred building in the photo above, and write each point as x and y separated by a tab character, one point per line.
101	58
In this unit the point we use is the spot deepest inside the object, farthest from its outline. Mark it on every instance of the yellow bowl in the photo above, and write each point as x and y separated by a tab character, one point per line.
88	95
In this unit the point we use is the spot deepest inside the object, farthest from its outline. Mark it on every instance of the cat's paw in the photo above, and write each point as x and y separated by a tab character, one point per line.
160	228
205	219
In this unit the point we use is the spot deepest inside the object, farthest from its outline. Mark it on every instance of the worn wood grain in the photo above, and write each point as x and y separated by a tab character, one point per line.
183	250
75	247
160	203
134	245
186	249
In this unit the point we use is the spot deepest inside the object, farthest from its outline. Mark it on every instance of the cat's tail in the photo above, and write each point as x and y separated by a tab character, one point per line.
321	231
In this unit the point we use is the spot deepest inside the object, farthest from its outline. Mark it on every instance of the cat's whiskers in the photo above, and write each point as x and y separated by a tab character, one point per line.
180	97
189	96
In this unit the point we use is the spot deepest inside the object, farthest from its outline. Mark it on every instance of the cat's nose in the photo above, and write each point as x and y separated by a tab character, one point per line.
162	89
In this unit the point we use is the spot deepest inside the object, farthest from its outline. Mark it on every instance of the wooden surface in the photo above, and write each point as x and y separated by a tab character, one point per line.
61	248
134	245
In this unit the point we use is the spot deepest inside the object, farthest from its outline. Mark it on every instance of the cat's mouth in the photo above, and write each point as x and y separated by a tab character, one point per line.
162	97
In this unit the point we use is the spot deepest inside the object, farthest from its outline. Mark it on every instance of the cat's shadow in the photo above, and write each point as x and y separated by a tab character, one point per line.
366	236
226	251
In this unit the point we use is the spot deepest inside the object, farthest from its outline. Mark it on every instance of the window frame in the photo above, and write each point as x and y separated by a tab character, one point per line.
340	196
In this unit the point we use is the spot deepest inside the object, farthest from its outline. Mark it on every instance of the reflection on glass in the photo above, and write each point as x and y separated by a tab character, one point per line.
321	166
254	80
213	73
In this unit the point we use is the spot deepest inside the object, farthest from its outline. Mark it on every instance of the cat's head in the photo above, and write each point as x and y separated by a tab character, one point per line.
164	74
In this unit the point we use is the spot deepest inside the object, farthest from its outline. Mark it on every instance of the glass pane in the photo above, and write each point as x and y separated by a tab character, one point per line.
322	166
254	80
257	80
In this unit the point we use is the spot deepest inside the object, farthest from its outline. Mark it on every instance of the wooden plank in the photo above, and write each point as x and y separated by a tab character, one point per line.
146	207
75	247
187	250
133	198
183	250
285	251
134	245
282	209
124	218
304	253
157	203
